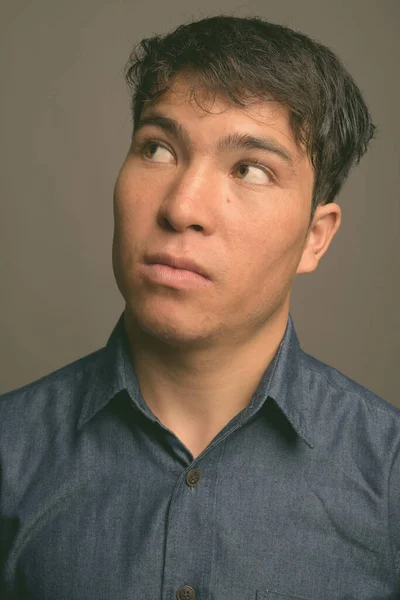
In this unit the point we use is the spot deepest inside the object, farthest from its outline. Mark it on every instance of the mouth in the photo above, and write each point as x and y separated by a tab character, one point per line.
174	262
171	271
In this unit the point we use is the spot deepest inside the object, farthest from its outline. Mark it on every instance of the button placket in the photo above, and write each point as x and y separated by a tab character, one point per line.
190	530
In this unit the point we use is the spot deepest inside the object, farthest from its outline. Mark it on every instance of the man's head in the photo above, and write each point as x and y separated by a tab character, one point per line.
290	106
249	58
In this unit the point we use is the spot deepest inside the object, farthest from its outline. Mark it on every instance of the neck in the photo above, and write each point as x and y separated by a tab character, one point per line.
196	391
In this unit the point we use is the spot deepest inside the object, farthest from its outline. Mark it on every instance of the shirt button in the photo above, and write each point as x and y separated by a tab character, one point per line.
185	592
193	477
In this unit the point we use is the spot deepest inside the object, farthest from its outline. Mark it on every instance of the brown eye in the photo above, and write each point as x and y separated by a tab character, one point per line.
150	149
258	175
242	168
156	153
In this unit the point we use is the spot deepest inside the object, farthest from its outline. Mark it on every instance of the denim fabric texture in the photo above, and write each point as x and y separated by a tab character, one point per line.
297	497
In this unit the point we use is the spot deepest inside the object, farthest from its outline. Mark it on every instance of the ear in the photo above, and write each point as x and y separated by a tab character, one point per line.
325	223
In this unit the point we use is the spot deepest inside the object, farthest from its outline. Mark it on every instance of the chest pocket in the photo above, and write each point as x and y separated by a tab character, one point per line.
275	595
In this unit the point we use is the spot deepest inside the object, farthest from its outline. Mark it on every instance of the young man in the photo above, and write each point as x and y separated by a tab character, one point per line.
202	454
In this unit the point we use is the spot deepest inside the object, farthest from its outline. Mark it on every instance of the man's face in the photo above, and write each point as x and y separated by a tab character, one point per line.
244	223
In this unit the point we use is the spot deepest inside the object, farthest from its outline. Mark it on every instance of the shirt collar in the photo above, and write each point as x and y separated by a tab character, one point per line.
288	386
108	378
114	373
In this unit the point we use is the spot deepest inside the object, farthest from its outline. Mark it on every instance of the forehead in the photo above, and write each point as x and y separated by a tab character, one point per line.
185	91
191	103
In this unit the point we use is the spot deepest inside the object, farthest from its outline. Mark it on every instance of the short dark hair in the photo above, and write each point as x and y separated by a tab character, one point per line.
249	58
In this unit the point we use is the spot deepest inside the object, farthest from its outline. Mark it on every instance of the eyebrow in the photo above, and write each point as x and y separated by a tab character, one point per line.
233	141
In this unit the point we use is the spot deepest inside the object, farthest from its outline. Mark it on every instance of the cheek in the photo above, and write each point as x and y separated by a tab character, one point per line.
124	195
132	209
271	248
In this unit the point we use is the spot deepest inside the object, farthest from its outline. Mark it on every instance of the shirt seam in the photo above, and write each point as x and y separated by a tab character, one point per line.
350	391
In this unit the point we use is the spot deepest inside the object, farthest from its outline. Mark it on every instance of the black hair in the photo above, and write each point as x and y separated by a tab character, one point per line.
247	58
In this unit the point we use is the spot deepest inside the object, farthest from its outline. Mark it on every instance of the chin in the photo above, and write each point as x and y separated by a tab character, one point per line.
169	328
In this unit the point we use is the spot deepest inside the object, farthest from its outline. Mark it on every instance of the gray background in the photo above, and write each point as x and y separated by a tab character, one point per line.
65	130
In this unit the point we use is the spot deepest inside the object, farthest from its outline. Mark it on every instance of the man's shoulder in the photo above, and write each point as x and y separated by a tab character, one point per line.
64	382
327	385
356	434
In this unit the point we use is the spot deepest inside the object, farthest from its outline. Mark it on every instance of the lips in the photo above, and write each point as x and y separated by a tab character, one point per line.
177	263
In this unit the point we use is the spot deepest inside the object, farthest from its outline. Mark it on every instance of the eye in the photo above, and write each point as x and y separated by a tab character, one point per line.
258	174
155	152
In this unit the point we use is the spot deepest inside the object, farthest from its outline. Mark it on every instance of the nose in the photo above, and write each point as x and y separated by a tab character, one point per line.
190	201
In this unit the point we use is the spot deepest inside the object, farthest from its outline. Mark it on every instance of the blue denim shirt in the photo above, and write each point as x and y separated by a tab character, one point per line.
298	496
